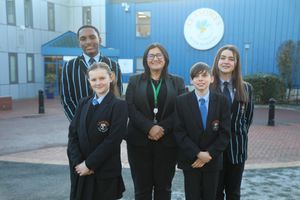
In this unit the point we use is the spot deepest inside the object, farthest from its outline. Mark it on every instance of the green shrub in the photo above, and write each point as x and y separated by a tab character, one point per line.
266	86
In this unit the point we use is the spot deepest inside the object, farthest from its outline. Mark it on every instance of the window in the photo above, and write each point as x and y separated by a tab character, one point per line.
143	24
51	17
28	13
139	65
10	12
30	68
86	15
13	68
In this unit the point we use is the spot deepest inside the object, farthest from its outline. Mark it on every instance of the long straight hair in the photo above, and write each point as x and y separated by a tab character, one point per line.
237	79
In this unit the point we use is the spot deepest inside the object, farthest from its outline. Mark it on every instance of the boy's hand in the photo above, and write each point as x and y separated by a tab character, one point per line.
198	164
204	156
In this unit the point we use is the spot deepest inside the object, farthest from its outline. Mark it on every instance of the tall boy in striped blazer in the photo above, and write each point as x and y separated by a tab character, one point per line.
74	83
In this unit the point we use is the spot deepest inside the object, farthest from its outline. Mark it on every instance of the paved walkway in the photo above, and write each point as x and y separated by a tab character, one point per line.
27	136
37	141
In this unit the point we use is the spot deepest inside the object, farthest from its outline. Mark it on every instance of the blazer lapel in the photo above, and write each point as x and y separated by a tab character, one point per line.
106	99
211	109
83	128
82	62
142	92
195	109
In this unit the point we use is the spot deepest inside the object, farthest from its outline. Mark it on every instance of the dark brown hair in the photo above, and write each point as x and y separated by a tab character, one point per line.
165	54
199	68
237	79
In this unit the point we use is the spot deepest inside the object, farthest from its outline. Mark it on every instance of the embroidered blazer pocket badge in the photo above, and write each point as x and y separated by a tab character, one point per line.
103	126
215	125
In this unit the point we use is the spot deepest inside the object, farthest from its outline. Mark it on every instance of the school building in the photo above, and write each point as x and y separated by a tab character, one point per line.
38	36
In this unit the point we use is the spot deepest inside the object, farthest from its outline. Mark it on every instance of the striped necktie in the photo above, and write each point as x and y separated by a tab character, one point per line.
91	61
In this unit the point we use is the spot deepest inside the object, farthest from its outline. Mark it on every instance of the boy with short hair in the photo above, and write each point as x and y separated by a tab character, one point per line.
202	133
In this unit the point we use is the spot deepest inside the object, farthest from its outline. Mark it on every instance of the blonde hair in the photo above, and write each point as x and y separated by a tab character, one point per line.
102	65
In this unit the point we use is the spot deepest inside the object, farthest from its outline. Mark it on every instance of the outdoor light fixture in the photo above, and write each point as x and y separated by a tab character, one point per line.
126	6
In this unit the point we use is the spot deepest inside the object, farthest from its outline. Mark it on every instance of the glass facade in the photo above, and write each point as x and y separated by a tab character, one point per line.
11	12
143	24
51	17
13	68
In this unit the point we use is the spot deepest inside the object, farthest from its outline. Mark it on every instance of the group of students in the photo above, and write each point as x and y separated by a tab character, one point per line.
203	132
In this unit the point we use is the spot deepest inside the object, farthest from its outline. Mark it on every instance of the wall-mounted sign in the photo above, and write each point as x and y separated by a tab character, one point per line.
126	65
203	28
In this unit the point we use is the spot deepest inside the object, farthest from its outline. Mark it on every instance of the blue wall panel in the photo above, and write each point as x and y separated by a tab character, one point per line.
263	25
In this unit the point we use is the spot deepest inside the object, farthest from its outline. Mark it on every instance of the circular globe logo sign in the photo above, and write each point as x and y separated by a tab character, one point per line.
203	28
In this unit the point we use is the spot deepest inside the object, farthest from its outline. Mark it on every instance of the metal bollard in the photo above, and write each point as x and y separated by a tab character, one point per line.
41	102
271	120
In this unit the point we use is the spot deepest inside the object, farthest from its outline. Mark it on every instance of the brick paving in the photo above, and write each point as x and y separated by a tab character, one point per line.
30	143
269	146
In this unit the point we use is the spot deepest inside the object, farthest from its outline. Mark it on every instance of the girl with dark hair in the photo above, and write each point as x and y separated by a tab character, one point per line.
229	81
152	151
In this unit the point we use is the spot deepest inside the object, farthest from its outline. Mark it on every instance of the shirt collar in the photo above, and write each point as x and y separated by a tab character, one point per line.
229	82
205	97
87	58
100	99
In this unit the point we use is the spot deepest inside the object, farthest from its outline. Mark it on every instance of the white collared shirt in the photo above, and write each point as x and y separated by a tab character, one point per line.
87	58
100	99
205	97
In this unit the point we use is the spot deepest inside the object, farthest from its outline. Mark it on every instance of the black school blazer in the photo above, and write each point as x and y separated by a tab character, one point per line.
140	114
99	144
193	138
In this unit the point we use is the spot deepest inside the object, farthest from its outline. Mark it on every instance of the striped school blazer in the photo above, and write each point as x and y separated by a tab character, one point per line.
74	84
241	119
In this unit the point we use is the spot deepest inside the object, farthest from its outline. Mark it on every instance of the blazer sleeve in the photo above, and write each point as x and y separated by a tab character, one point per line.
137	118
183	140
249	106
112	142
222	140
168	122
75	155
180	85
119	77
67	100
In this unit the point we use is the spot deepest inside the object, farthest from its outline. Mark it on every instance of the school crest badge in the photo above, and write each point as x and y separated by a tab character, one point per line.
215	125
102	126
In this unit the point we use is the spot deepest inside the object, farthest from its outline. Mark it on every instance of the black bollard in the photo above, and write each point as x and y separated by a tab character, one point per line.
41	102
271	120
